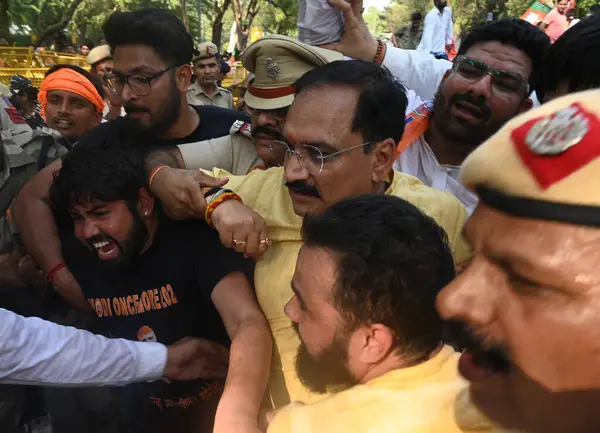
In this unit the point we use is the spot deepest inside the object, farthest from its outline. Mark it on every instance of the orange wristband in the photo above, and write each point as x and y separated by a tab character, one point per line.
154	173
230	195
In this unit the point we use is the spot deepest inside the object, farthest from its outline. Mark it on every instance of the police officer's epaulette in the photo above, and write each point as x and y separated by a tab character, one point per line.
223	89
243	128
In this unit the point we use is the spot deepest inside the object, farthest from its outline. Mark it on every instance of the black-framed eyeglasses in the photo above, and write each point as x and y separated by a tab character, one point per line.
504	83
139	84
311	158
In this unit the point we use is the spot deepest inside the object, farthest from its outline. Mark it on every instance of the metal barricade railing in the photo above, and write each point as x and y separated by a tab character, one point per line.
26	62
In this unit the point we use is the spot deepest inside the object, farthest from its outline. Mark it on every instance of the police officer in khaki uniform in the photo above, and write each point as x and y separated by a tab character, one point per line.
276	62
207	69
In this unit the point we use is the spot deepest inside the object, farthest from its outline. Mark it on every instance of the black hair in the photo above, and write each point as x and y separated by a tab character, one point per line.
570	60
595	8
92	78
392	261
99	168
571	13
153	27
517	33
416	16
382	102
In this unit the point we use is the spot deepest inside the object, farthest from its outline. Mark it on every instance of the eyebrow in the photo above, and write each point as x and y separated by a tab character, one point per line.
145	69
322	145
297	293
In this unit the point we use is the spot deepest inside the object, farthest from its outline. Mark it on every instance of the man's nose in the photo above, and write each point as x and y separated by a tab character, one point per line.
265	118
64	107
470	297
482	87
293	168
127	94
90	229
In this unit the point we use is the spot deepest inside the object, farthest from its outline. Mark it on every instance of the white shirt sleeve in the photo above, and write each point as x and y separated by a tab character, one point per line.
417	70
34	352
427	36
449	26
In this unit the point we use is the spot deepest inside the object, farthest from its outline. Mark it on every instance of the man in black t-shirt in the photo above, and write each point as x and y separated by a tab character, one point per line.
152	51
152	54
149	278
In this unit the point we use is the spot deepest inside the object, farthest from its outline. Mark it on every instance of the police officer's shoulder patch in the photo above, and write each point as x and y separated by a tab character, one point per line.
241	127
15	117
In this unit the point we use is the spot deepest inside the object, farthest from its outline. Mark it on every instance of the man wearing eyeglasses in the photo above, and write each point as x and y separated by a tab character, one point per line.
152	51
276	62
466	102
339	139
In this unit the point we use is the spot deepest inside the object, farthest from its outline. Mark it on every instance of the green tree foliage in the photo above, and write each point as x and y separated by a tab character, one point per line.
84	18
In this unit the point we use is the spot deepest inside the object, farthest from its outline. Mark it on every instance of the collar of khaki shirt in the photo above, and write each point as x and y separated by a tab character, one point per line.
198	90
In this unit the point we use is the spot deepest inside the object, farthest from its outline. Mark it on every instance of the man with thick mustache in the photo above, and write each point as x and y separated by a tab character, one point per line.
276	62
527	309
340	135
152	51
491	81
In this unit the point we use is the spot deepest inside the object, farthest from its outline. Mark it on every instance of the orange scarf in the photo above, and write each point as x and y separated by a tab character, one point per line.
70	81
415	125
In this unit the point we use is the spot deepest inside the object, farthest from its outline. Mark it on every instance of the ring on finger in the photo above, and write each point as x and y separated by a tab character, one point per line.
265	242
236	243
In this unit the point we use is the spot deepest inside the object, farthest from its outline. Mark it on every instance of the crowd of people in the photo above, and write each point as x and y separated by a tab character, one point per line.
377	240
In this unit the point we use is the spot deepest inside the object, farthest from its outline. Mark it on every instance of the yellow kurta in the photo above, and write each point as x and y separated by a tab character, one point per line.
427	398
265	193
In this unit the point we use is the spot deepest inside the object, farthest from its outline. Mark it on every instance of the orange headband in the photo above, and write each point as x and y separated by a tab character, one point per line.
70	81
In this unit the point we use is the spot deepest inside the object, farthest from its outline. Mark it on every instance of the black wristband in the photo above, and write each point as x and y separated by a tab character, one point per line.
212	191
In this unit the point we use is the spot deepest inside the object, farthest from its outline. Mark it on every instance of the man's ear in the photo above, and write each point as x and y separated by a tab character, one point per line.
98	118
145	203
378	341
183	77
383	158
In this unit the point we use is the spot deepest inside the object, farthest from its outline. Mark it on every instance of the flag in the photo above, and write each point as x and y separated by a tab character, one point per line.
536	12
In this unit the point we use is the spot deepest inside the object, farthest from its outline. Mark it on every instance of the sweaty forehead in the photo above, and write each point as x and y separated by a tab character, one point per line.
541	246
65	94
206	62
322	114
502	56
137	58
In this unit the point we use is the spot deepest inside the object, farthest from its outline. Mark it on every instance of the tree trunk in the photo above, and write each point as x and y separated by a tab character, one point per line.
184	15
243	21
64	21
217	33
217	27
4	20
239	29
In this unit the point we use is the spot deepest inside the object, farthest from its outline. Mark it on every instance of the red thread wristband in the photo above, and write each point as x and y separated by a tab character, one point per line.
52	272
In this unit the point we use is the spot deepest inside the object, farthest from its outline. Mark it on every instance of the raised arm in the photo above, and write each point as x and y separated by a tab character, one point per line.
417	70
250	355
33	216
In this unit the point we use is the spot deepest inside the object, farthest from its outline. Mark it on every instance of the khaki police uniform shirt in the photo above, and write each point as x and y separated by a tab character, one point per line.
235	151
221	98
17	167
